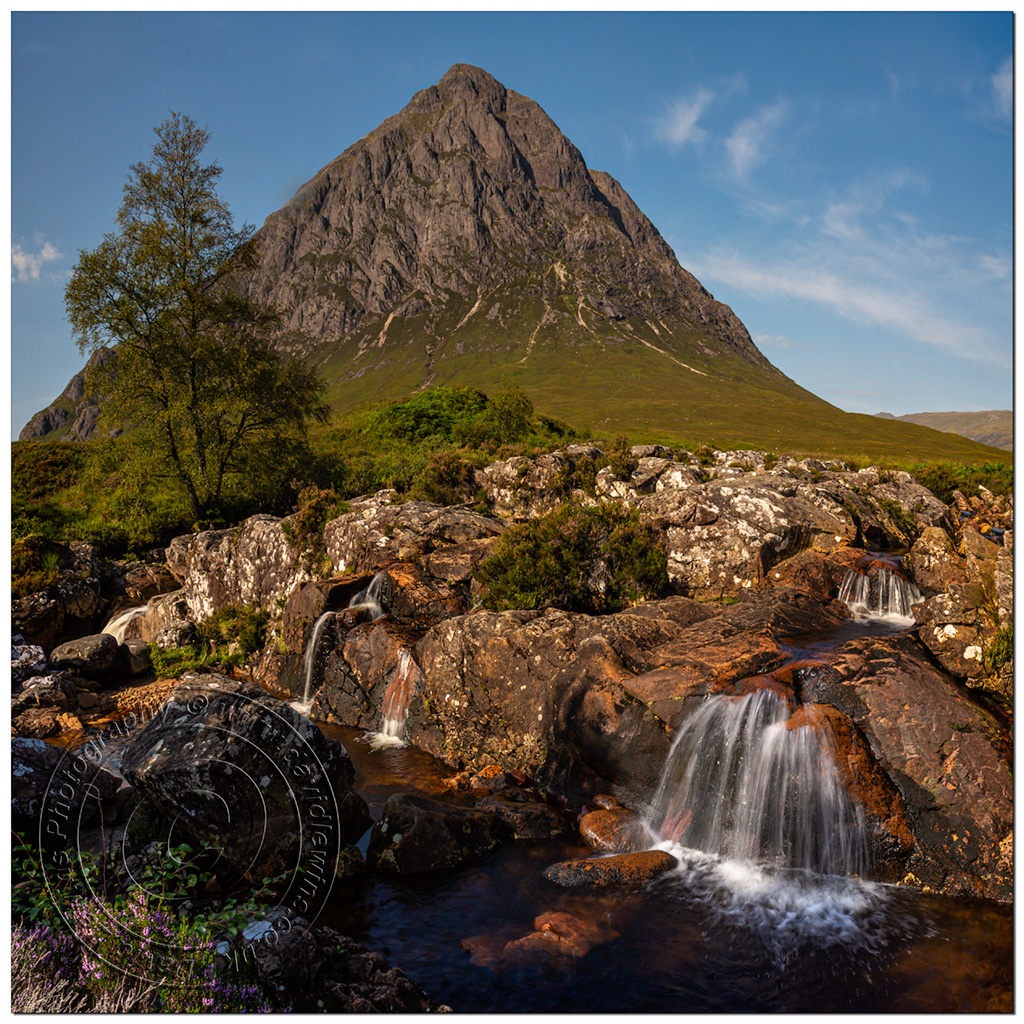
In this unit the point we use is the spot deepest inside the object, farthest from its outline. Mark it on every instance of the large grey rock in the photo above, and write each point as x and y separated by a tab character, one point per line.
252	564
236	767
94	657
379	531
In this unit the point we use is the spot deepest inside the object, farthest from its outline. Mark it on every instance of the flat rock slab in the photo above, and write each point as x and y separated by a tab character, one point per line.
624	869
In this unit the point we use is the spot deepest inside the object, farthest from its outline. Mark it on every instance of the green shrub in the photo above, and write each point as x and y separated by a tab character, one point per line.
603	558
448	479
245	625
943	478
304	529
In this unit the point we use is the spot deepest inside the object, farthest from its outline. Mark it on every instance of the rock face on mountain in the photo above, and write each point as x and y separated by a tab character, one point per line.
471	216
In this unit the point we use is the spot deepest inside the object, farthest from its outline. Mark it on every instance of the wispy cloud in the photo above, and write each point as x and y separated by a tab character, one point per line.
749	144
679	124
28	266
776	341
1002	88
821	279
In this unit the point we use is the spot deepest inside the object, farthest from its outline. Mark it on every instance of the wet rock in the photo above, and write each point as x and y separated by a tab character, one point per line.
251	564
948	758
416	835
358	670
818	573
233	765
626	869
313	969
526	819
378	532
865	780
416	600
617	830
94	657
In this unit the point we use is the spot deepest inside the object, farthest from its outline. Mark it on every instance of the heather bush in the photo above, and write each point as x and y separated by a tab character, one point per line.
603	558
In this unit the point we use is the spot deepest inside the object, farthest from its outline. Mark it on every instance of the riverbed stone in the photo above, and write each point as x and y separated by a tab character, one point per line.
617	830
625	869
94	657
416	834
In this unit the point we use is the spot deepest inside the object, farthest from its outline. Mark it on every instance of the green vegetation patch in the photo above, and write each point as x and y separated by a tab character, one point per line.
603	558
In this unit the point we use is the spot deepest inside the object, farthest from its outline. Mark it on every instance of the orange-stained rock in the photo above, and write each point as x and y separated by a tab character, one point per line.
613	831
606	801
624	869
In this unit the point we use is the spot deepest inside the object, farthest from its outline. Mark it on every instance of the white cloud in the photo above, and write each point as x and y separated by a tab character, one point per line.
27	266
776	341
820	278
1002	88
679	125
748	146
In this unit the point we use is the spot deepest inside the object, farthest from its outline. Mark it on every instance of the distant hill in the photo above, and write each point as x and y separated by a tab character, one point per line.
464	241
994	426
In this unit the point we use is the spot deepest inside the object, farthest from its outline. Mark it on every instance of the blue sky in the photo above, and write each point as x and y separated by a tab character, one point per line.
843	181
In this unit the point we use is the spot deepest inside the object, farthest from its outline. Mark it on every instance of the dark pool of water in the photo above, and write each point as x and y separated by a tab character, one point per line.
711	937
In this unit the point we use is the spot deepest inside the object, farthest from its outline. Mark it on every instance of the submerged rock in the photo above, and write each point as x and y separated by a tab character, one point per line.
416	834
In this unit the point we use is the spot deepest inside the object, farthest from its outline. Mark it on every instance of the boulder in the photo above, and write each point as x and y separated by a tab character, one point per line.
951	626
724	537
235	766
56	792
251	564
625	869
616	830
71	606
947	757
313	969
37	723
933	562
27	660
417	834
378	532
56	690
94	657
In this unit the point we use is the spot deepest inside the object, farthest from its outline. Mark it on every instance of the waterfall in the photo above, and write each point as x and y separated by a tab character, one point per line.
742	785
881	594
119	623
367	602
368	598
395	706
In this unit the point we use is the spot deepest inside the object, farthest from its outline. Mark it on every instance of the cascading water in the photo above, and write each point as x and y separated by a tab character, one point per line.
740	784
368	602
765	833
880	594
395	707
119	623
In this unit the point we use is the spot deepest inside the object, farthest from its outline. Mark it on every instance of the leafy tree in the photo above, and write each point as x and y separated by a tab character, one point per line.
198	384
